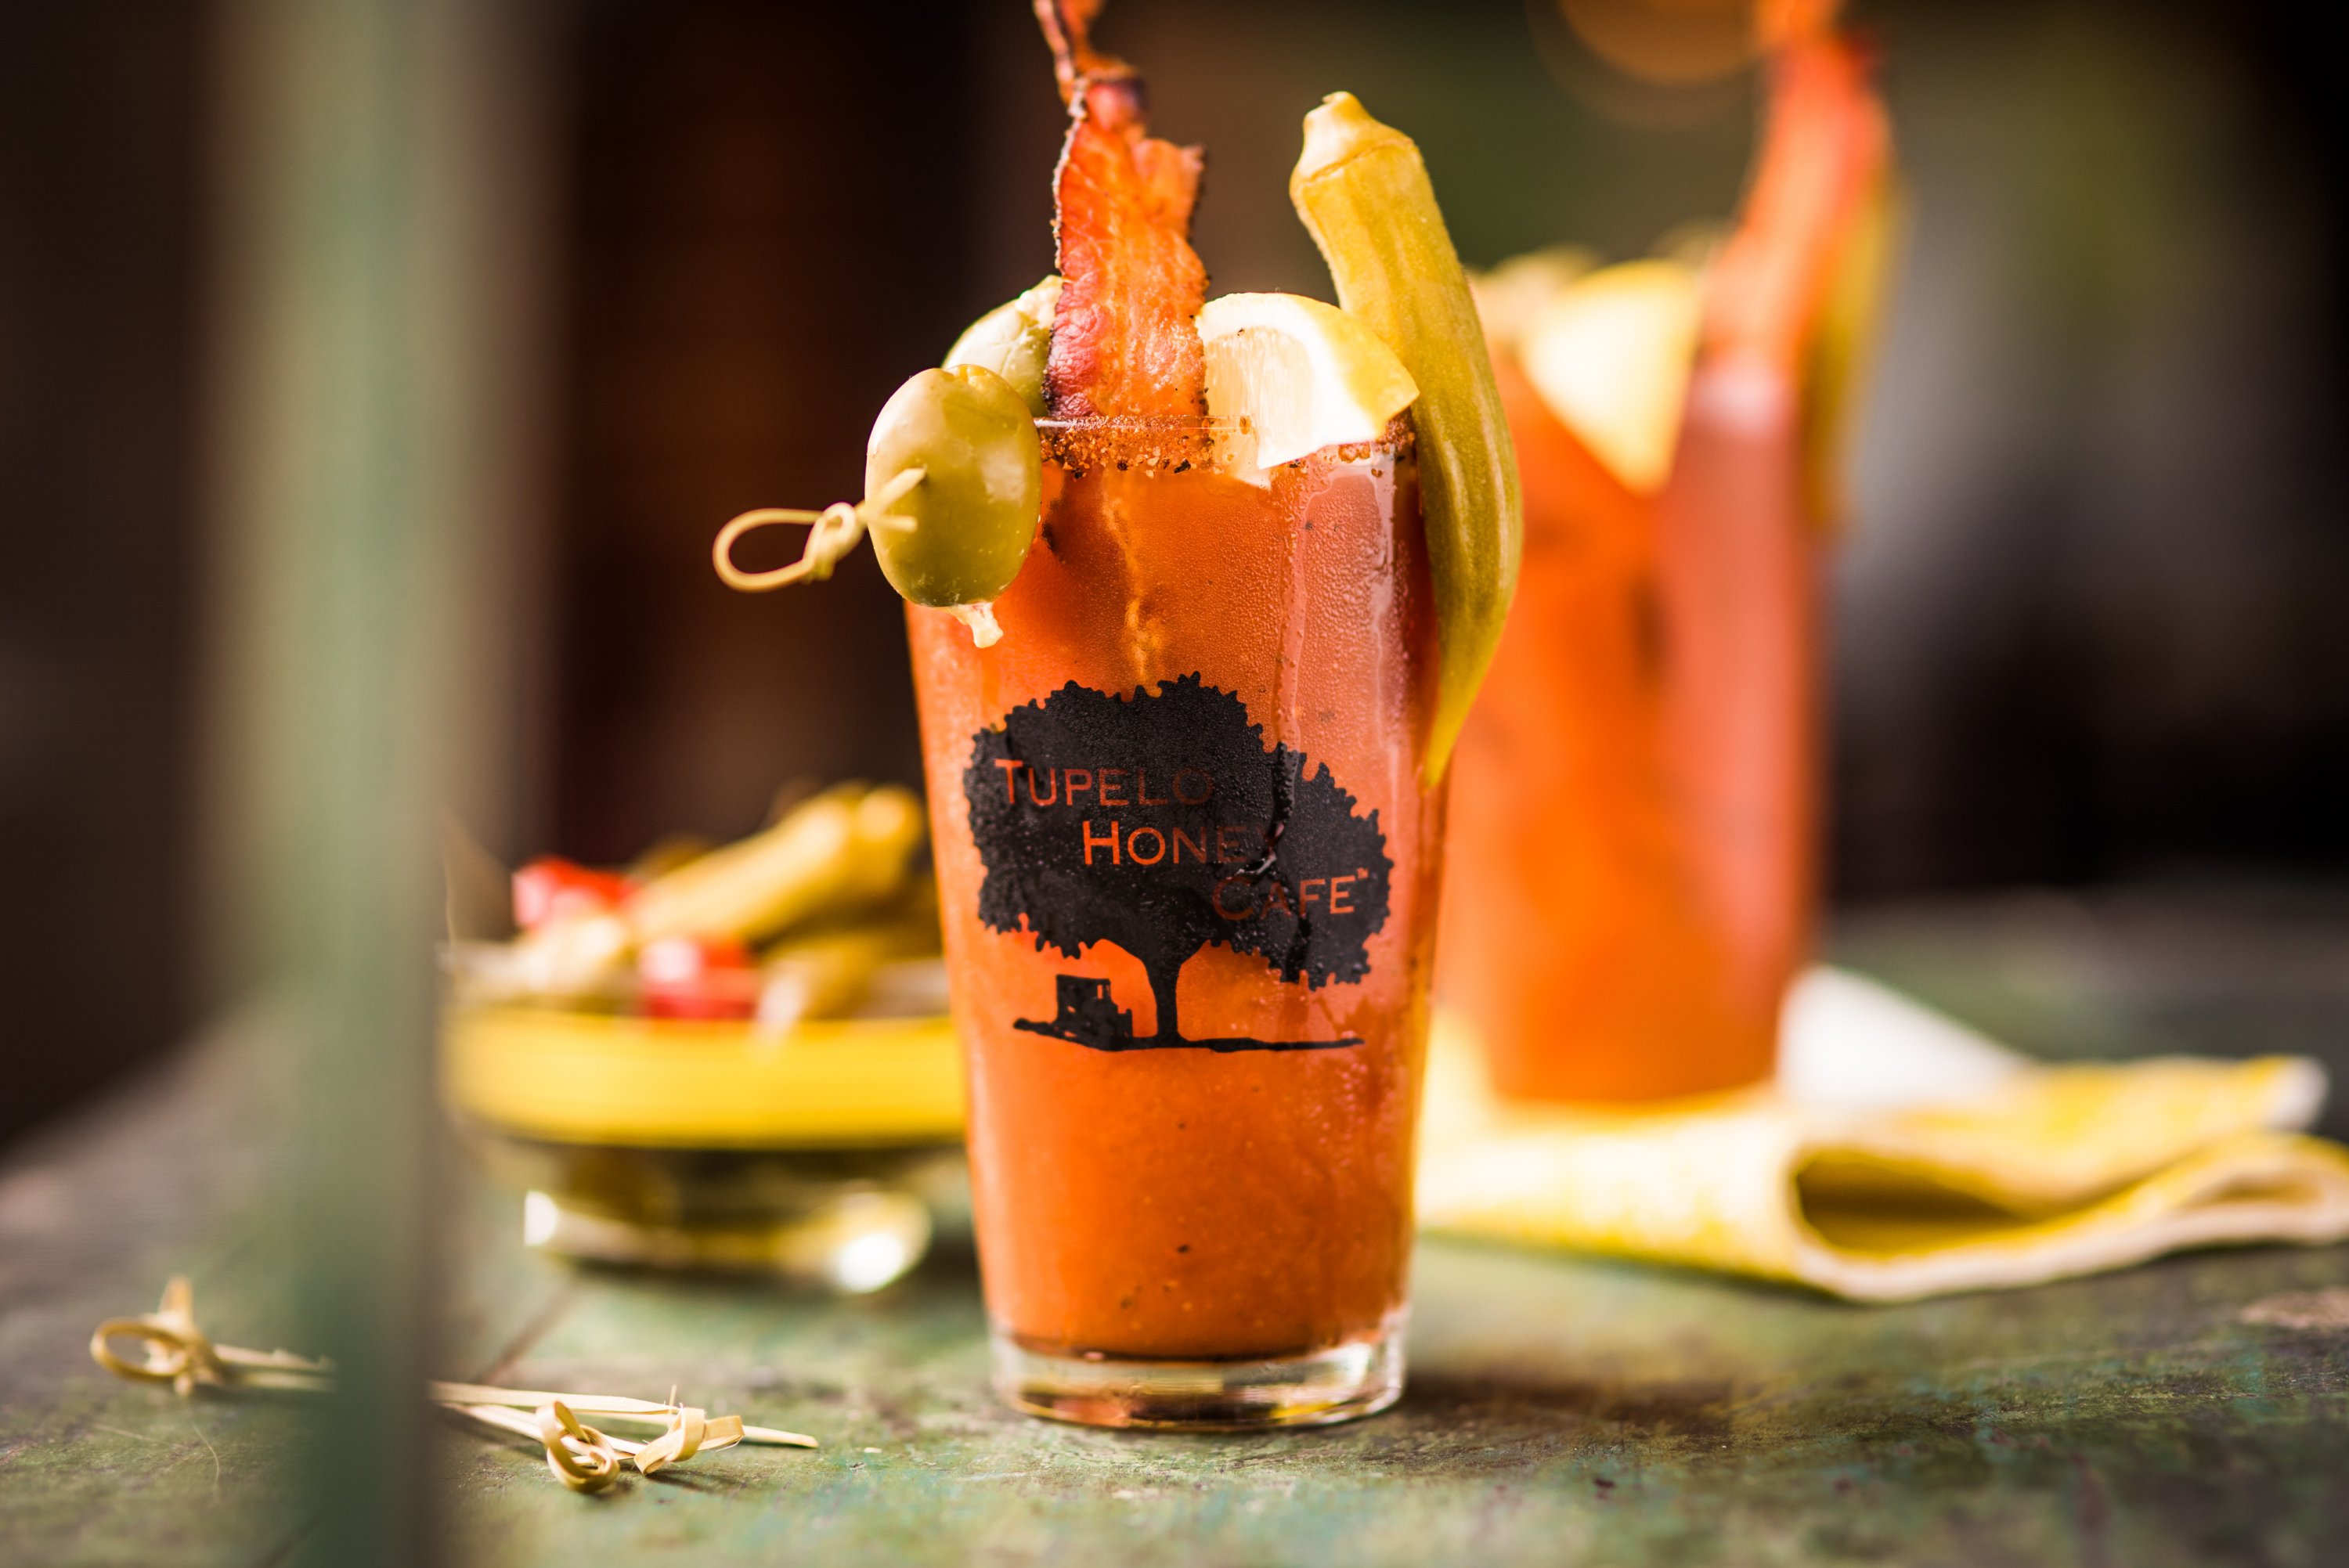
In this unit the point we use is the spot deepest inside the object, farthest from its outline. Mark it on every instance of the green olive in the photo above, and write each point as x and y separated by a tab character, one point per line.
974	512
1014	340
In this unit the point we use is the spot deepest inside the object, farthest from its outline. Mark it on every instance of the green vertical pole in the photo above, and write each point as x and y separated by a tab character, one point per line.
372	339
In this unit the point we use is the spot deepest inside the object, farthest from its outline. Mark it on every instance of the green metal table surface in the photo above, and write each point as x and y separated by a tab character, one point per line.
1559	1409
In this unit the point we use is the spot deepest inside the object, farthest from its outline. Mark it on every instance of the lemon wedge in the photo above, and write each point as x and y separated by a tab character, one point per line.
1292	376
1510	295
1610	355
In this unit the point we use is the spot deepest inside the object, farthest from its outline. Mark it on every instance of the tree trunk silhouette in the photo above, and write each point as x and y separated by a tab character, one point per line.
1163	972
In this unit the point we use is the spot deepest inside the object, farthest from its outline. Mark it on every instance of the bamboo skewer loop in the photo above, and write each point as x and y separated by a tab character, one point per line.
831	534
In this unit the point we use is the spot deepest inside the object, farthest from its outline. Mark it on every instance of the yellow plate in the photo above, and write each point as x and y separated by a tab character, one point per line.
586	1077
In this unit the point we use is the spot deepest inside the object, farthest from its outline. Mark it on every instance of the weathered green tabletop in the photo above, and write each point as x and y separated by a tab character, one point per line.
1560	1410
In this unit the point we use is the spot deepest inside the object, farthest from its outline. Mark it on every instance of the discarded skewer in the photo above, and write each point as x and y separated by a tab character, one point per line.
179	1352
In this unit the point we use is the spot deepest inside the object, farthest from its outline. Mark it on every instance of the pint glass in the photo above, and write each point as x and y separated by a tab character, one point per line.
1189	871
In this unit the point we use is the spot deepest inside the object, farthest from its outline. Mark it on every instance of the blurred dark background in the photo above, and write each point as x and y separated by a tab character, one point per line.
2091	613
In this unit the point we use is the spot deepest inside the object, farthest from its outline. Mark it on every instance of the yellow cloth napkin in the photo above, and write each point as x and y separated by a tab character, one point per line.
1899	1155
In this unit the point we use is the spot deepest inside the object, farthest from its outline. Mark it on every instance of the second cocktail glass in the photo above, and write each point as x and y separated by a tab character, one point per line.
1635	836
1190	870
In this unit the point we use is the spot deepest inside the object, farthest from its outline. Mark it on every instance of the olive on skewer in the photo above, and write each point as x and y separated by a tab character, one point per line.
953	483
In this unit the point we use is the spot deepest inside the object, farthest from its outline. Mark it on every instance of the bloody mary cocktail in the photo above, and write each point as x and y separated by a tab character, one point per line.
1635	793
1199	593
1635	814
1190	941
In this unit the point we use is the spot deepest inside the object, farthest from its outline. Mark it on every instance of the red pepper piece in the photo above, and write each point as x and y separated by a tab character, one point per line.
1826	151
701	977
551	887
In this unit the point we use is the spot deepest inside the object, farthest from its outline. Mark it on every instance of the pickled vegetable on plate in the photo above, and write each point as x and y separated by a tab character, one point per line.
844	853
697	977
551	888
834	968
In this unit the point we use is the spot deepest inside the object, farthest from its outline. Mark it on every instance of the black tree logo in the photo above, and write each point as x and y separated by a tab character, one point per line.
1159	821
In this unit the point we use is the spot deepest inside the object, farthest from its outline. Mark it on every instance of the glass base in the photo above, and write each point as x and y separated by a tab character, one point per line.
852	1242
1309	1390
850	1220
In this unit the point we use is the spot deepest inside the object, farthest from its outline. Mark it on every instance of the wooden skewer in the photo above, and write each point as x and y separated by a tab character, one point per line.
615	1408
584	1459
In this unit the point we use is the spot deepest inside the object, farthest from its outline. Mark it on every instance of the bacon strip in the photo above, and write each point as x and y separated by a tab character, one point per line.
1125	339
1825	149
1067	30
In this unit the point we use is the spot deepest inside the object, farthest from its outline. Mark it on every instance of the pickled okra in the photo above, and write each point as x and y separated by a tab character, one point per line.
1364	196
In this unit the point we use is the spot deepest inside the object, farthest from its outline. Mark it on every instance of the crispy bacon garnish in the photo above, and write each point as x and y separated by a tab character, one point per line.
1126	337
1779	24
1069	32
1825	151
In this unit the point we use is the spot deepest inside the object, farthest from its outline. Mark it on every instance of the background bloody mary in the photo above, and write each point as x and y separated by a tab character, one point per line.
1634	837
1634	849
